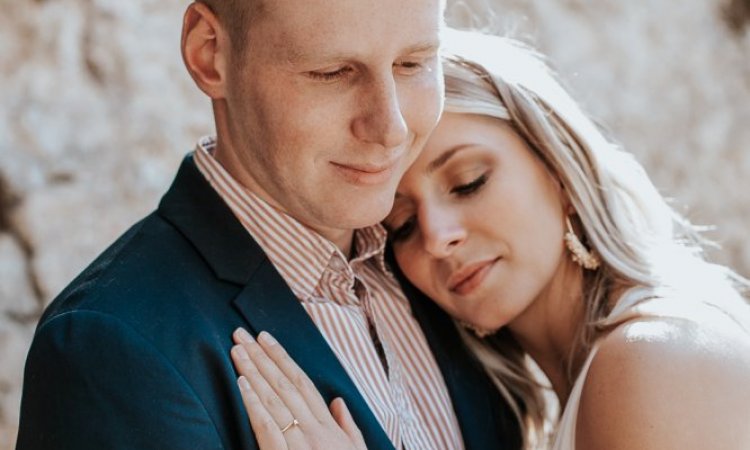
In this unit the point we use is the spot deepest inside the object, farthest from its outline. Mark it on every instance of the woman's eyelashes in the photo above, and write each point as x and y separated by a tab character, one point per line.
403	231
465	190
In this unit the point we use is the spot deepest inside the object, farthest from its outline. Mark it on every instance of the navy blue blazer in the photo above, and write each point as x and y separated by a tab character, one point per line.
134	353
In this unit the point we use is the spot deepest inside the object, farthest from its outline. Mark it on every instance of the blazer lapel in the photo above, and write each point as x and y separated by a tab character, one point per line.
193	207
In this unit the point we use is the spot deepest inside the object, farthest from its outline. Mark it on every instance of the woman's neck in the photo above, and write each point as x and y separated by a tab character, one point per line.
547	330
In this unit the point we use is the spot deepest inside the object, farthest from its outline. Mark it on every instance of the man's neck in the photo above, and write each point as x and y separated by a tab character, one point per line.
343	239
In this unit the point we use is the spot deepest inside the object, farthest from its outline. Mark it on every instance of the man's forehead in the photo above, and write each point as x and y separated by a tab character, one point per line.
343	29
365	7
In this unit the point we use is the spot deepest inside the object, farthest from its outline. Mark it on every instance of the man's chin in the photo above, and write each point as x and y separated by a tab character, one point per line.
365	215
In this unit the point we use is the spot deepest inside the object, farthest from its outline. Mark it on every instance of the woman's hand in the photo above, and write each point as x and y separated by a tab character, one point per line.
286	410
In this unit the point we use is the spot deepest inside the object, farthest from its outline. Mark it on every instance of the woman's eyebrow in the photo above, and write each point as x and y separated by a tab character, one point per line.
438	162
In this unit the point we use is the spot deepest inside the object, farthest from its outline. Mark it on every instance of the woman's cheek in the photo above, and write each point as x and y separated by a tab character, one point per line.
411	267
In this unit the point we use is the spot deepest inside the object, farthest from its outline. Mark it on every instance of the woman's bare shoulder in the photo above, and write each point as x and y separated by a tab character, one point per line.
668	383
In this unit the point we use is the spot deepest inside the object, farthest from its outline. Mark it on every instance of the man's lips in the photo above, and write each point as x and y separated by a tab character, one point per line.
468	277
368	168
366	174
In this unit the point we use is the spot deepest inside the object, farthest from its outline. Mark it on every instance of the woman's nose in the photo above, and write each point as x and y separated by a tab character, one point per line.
443	233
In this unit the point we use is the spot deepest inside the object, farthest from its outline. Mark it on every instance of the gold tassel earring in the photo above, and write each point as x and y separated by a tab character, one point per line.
580	254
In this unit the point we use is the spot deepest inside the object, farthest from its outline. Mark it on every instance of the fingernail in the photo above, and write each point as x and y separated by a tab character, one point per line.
243	336
239	352
243	383
343	404
267	338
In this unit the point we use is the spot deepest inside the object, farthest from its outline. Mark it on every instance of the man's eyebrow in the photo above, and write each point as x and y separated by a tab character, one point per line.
422	47
298	56
438	162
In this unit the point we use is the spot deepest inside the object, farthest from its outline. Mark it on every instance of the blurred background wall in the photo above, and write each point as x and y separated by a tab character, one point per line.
97	111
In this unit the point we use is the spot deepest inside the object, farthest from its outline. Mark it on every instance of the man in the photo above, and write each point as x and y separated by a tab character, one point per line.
320	106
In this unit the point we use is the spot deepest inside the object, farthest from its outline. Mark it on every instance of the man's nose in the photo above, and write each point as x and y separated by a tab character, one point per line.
380	120
442	233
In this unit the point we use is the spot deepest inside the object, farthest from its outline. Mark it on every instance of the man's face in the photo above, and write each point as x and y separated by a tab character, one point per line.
329	103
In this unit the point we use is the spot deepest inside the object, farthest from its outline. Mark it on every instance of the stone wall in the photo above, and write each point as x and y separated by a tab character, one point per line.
97	111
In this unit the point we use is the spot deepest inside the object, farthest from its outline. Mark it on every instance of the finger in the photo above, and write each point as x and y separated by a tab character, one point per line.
267	432
269	399
282	385
344	419
305	387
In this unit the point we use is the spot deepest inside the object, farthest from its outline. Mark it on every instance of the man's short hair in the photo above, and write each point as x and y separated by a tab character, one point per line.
236	16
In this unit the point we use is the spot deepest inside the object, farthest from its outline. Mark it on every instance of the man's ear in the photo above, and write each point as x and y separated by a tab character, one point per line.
205	45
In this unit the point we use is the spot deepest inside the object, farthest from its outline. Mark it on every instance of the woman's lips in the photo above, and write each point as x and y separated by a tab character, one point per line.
470	277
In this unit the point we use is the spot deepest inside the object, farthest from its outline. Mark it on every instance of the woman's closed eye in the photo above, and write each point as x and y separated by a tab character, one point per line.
465	190
404	231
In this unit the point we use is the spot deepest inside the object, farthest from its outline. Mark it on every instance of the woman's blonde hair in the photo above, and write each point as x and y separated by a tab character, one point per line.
639	238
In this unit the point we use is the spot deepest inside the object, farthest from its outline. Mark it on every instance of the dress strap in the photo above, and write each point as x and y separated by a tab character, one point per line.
565	438
623	311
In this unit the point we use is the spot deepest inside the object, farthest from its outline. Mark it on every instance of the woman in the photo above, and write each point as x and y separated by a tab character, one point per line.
546	241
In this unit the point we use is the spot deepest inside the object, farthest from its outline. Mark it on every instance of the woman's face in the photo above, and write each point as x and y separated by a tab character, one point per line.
478	221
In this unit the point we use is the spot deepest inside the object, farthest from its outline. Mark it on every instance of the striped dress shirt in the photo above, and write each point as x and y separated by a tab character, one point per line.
346	299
